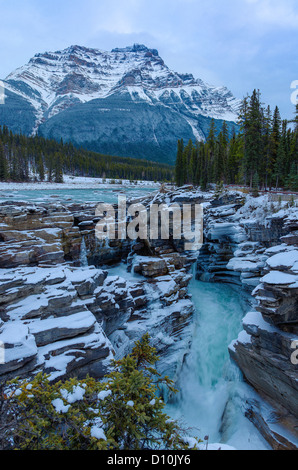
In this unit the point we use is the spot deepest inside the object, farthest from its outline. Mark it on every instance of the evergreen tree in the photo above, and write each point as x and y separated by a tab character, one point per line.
255	185
40	168
254	141
179	172
234	158
275	144
202	174
279	165
266	164
292	180
187	170
58	171
3	164
192	166
123	412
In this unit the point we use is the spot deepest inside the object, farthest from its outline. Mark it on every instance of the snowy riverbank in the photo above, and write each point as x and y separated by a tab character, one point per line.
77	182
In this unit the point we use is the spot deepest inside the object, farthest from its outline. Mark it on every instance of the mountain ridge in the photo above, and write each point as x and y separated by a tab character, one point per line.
131	102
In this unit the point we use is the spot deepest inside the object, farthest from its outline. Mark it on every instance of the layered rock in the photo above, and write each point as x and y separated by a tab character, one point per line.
36	235
51	234
58	320
73	319
164	309
47	324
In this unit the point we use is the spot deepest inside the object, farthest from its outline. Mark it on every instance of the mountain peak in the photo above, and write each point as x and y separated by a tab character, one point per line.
136	48
120	93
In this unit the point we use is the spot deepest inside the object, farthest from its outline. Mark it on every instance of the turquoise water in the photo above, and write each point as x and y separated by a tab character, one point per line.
212	393
72	195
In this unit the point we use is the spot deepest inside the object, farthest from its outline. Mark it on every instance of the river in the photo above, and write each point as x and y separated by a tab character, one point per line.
212	393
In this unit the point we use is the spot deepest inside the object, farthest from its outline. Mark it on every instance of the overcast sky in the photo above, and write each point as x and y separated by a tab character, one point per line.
242	44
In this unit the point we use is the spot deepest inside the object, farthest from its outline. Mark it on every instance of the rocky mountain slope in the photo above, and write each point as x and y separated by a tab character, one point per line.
125	102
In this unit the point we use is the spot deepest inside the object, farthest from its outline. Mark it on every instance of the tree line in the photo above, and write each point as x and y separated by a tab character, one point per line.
25	158
263	155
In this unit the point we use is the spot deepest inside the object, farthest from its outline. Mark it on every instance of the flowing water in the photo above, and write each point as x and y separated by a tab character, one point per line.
212	394
83	254
78	195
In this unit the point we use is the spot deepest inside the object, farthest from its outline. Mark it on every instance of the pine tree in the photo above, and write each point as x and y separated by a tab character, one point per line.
40	168
186	162
3	164
279	165
179	171
276	138
58	171
292	179
266	164
192	166
255	185
204	161
254	141
234	158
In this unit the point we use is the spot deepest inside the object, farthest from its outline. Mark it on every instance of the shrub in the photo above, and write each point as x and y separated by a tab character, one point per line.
121	412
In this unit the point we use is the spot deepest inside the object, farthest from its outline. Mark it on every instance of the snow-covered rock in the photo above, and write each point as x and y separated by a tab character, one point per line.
265	347
47	325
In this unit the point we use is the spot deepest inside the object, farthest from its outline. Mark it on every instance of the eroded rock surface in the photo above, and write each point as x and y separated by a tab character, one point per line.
73	320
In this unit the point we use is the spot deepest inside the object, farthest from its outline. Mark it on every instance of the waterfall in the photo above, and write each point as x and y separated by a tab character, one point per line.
212	392
83	254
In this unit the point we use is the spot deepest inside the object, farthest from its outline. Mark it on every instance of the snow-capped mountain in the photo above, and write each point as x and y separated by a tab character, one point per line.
124	102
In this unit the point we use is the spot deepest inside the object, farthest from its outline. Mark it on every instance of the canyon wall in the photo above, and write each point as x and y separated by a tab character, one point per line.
252	244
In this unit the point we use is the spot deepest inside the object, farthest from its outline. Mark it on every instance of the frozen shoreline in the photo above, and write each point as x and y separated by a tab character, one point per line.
71	182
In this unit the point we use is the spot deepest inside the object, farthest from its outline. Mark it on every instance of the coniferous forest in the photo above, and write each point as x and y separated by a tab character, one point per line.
25	158
263	155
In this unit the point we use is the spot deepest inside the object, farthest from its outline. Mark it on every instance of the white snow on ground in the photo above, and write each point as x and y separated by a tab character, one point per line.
214	447
279	263
77	182
262	208
279	257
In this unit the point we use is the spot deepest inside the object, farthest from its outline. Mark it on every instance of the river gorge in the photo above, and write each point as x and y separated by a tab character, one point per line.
223	319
